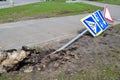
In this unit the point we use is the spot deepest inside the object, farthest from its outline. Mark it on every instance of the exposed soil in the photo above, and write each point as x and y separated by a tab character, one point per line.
85	54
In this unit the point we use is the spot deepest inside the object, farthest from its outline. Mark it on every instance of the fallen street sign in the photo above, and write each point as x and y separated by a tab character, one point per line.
95	23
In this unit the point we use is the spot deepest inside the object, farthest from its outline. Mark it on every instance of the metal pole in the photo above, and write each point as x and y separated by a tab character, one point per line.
11	2
71	41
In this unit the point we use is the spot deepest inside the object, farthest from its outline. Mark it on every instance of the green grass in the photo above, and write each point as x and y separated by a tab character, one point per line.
5	76
116	2
44	10
38	48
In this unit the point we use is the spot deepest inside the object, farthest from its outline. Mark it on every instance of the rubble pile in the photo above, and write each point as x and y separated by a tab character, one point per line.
27	59
9	58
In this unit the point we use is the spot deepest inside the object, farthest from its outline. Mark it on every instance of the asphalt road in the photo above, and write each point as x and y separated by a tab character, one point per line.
31	32
15	35
7	3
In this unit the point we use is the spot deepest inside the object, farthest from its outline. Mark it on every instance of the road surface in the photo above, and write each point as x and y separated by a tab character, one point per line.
7	3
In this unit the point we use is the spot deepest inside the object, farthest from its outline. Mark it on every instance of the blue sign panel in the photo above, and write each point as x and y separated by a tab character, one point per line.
95	23
100	20
92	25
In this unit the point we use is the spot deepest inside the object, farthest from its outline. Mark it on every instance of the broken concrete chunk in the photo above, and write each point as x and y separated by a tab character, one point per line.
10	59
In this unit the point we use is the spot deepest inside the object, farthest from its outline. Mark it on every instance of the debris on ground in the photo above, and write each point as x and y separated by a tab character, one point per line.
86	53
9	58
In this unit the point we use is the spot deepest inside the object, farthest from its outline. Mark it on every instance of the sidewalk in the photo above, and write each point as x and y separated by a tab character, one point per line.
15	35
31	32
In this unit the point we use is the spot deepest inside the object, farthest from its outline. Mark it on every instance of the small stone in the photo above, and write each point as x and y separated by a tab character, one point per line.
67	58
76	56
38	69
26	48
43	66
56	64
72	54
63	62
29	69
53	57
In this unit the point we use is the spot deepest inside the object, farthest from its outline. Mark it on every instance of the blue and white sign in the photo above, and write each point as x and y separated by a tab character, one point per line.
92	25
95	23
100	19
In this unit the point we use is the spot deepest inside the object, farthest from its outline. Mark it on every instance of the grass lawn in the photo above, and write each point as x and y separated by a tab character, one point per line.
44	10
116	2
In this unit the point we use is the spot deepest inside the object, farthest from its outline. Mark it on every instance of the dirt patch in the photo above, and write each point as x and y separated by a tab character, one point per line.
86	54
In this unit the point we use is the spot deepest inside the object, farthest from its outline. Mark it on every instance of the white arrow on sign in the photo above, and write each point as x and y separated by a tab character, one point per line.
92	25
